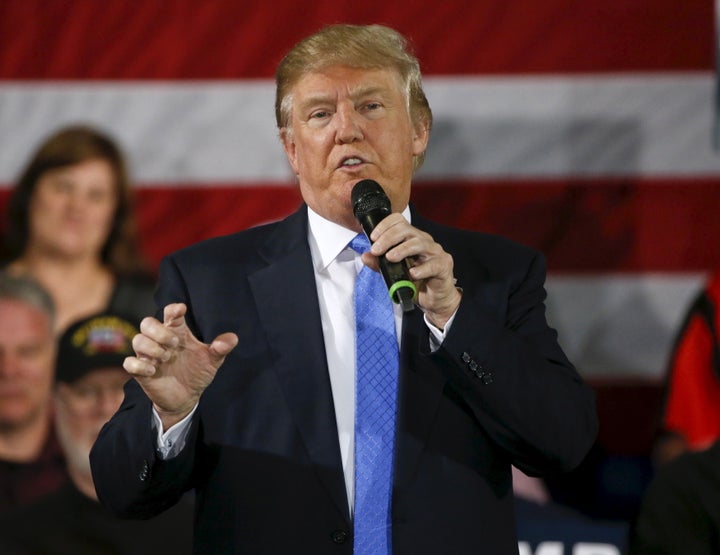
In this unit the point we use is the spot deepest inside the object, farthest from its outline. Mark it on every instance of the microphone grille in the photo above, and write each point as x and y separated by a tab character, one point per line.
367	196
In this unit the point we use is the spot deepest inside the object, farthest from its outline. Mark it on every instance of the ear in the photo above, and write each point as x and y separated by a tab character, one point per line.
421	137
286	136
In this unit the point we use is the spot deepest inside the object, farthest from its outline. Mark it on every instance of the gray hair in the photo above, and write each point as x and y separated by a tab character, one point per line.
25	289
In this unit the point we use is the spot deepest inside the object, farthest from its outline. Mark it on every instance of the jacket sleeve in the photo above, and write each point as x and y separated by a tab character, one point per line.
130	478
504	360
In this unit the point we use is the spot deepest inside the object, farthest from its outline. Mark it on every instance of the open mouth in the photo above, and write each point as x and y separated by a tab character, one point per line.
351	162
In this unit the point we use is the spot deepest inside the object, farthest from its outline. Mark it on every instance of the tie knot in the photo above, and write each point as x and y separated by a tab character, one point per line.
360	243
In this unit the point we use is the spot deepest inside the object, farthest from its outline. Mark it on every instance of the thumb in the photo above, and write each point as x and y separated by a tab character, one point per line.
371	261
223	344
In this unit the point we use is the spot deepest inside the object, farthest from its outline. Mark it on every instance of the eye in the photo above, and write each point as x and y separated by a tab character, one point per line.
85	392
319	114
61	185
33	351
372	108
98	195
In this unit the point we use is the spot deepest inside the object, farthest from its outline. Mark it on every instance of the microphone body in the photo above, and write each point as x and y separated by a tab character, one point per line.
370	206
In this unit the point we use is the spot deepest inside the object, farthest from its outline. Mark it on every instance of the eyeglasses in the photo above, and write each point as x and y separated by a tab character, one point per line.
84	398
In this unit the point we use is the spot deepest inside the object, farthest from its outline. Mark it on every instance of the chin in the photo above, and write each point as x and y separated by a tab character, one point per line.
11	420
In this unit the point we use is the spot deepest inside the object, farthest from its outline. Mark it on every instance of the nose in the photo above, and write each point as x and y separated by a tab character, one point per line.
73	200
109	401
9	365
349	125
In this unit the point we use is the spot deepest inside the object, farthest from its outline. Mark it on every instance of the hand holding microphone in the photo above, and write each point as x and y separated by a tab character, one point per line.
371	205
422	272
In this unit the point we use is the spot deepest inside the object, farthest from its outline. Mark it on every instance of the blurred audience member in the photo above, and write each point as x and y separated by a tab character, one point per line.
70	225
88	391
691	415
31	461
680	513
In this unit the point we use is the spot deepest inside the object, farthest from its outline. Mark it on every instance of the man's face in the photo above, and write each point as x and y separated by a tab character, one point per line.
82	407
27	353
350	124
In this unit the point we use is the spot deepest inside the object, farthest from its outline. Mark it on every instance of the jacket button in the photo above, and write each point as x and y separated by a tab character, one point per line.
339	536
145	472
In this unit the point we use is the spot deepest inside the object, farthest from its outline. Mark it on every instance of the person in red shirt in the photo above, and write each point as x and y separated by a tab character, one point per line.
691	413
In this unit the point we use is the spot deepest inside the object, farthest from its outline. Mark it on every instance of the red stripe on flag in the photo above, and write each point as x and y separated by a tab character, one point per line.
593	226
658	225
225	39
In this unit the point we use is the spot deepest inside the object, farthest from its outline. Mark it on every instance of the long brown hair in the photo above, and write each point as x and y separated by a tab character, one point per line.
67	147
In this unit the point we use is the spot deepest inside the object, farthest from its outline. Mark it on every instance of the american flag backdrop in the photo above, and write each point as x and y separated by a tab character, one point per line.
584	129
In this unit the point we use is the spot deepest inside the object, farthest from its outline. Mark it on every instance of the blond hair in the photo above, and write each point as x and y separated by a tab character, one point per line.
355	46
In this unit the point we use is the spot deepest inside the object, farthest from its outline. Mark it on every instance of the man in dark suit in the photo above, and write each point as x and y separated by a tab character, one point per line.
245	384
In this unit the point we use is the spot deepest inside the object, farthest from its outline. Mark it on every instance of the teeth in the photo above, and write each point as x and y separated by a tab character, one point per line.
352	162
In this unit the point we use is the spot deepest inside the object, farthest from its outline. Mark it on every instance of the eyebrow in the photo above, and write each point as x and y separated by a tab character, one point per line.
320	98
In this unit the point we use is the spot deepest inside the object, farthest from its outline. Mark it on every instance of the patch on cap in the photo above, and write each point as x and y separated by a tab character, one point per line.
100	341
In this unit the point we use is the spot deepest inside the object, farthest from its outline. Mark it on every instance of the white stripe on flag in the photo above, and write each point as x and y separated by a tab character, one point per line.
620	325
224	132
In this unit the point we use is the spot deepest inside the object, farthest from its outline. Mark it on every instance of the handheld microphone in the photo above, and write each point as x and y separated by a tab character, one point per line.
370	206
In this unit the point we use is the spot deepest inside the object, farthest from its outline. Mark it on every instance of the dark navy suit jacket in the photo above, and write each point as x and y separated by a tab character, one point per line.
263	452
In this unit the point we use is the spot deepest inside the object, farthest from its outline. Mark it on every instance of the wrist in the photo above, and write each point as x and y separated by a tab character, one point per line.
171	417
440	317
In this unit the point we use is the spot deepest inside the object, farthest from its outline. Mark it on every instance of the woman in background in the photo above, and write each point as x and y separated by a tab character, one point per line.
70	225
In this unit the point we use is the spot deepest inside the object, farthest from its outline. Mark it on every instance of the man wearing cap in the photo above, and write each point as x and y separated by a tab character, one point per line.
88	390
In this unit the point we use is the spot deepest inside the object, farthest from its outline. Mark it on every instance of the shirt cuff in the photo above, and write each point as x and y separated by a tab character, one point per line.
171	442
437	335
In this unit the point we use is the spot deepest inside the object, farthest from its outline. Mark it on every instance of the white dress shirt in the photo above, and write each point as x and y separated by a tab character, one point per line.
336	267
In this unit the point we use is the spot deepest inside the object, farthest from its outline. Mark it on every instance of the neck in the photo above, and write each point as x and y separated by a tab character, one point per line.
79	286
44	263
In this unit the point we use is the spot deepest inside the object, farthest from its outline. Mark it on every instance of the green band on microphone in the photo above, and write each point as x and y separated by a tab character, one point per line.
402	283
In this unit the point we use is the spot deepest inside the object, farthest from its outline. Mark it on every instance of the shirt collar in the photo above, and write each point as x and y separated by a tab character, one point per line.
328	239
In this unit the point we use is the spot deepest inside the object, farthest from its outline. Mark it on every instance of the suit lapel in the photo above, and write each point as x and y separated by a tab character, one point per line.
286	298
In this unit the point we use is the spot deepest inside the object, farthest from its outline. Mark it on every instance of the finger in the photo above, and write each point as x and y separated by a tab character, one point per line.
147	348
394	232
158	332
411	248
223	344
138	366
434	268
371	261
174	314
387	223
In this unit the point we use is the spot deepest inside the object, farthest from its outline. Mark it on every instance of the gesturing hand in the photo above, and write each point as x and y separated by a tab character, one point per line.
172	366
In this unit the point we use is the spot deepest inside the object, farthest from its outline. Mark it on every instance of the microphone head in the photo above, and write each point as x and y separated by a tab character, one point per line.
368	196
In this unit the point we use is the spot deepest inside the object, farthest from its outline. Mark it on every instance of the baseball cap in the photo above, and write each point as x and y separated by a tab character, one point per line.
99	341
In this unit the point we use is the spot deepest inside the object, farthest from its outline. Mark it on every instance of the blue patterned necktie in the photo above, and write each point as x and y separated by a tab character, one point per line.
375	409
